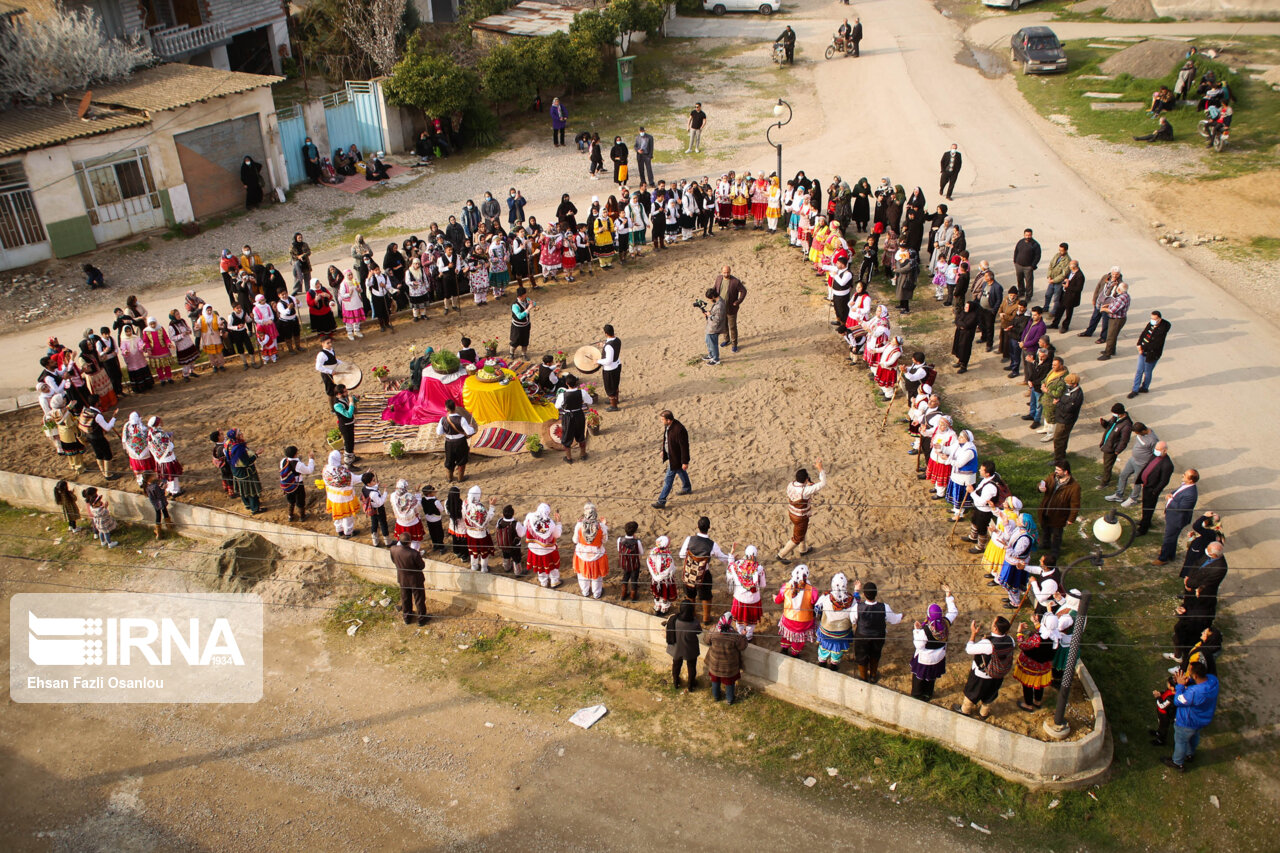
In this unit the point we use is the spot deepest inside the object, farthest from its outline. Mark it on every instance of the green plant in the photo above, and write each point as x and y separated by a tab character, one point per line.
533	443
435	84
396	449
334	436
445	362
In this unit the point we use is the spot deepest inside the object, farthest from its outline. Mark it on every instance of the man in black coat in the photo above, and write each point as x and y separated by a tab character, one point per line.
989	297
675	452
1115	438
1026	257
1065	415
1153	478
1072	291
788	40
1203	582
1150	348
951	162
855	36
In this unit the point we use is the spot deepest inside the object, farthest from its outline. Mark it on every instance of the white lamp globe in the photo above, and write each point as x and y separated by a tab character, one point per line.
1107	532
777	109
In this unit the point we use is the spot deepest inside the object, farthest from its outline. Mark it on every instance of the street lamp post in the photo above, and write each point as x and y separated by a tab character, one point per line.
1107	530
777	113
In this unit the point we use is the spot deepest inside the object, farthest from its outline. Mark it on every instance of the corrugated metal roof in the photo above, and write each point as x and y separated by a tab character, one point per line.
530	18
8	7
173	85
120	105
25	128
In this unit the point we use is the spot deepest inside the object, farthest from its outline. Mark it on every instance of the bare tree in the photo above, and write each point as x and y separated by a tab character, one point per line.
62	52
374	25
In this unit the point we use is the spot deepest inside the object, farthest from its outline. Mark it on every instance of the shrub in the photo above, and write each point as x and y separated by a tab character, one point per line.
532	443
445	362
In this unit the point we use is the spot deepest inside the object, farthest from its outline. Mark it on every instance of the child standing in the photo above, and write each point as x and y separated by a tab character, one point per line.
457	527
630	550
508	542
373	500
100	512
432	511
64	498
155	492
1164	712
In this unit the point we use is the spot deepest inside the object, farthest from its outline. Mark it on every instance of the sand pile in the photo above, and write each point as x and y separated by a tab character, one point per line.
305	579
241	561
1121	10
1147	60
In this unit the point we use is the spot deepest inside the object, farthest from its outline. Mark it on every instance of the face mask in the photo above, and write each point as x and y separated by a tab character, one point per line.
1154	321
1158	452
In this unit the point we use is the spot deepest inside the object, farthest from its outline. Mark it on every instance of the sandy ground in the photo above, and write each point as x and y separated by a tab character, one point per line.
423	766
753	420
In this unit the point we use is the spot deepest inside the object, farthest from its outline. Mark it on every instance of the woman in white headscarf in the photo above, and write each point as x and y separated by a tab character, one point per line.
477	518
662	576
746	579
210	328
835	628
340	496
964	473
795	628
407	509
590	562
540	529
134	439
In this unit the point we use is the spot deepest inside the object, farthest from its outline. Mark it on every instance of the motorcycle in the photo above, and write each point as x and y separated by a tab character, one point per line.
779	53
839	45
1216	132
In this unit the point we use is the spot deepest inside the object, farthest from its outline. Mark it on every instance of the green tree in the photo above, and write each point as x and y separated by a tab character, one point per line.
594	26
435	84
507	75
632	16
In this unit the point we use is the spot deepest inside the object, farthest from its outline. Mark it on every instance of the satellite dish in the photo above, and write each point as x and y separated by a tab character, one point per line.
84	104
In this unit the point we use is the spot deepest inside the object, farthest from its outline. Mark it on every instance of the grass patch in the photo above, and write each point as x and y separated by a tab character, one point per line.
525	170
143	245
335	214
1256	128
363	224
366	607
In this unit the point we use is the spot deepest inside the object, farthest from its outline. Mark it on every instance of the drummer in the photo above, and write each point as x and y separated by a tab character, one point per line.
572	402
611	363
326	363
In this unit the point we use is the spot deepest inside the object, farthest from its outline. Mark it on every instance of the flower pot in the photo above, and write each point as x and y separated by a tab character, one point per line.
595	430
491	352
335	443
536	453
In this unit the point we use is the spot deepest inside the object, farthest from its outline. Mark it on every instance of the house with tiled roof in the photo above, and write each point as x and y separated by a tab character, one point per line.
160	149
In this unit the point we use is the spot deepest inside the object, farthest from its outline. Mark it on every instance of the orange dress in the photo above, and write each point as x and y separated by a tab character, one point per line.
589	558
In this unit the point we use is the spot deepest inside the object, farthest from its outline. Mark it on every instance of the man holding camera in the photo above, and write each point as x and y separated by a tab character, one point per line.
732	292
717	324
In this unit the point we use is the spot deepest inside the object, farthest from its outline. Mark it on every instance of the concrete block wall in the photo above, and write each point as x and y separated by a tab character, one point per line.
1033	762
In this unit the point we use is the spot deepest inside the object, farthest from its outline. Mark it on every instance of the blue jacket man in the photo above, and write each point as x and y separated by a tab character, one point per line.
1196	701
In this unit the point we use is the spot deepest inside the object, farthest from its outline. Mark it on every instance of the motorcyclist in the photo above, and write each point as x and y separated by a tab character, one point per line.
788	41
843	34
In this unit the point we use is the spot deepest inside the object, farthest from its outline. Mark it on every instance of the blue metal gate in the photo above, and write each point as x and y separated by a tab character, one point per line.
365	97
293	133
340	120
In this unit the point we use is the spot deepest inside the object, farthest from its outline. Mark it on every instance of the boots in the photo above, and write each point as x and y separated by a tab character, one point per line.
966	707
1048	434
874	675
613	405
583	450
785	552
159	532
462	473
862	672
706	612
291	512
568	454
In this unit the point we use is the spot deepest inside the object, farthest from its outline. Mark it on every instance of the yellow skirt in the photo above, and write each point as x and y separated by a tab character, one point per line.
993	557
341	510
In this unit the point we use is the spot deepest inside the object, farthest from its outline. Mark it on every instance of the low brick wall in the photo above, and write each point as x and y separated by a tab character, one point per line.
1029	761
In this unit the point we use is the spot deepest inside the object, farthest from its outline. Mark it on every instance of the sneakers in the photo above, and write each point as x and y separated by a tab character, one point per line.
1112	498
1127	502
1169	656
1169	762
712	362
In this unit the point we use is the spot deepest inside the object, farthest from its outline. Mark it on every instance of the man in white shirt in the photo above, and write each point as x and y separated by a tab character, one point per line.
611	366
992	661
871	619
455	427
799	508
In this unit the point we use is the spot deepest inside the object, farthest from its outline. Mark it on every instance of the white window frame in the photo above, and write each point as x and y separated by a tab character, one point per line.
103	193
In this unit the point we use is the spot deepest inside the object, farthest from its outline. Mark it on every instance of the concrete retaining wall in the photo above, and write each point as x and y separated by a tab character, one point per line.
1036	763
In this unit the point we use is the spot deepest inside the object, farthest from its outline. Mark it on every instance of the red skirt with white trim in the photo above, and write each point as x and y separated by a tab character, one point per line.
480	549
886	377
137	466
938	473
543	562
415	531
747	614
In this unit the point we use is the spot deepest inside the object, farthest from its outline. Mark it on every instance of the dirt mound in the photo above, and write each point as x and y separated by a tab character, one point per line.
306	577
1148	60
241	561
1123	10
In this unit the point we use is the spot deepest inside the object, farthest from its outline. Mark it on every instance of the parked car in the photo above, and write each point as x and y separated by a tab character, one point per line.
1011	5
719	7
1037	49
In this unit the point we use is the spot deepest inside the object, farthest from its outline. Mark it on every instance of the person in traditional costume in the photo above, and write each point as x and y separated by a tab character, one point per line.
877	337
840	286
604	247
340	497
477	518
109	357
924	426
264	324
320	309
351	304
292	470
477	269
540	530
610	362
746	580
1018	547
406	508
373	500
244	471
759	201
992	661
662	576
134	353
697	551
1067	609
159	351
799	509
834	611
572	403
432	513
95	426
69	444
773	204
983	495
210	328
100	515
1044	585
184	344
457	524
630	553
499	265
1033	667
220	462
724	659
938	471
797	598
96	377
740	197
964	473
288	326
887	368
930	640
590	562
871	619
455	426
1003	524
551	255
134	438
165	454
